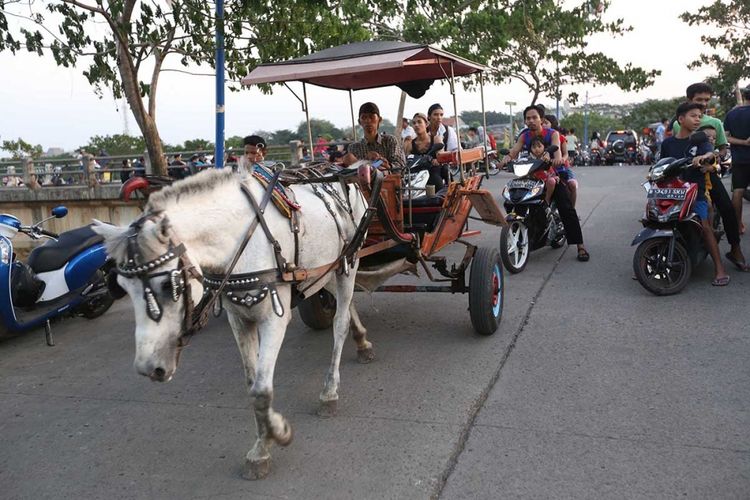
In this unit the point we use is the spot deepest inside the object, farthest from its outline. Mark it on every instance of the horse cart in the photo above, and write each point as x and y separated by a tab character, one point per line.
195	248
409	232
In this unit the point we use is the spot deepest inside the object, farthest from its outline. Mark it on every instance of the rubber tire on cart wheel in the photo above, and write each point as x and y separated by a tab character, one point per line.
658	247
486	290
317	311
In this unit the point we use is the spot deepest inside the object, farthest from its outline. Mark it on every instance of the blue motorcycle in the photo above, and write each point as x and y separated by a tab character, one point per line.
68	275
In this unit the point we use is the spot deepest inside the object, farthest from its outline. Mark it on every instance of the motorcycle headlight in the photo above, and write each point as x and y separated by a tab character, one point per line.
506	193
5	251
656	173
536	190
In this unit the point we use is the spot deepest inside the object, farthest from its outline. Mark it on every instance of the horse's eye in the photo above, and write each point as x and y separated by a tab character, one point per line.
166	286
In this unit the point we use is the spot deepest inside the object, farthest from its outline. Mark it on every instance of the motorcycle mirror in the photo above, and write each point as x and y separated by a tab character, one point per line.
552	149
698	138
59	212
505	151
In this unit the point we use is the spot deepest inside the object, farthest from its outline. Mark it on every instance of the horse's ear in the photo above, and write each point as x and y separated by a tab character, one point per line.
115	237
158	230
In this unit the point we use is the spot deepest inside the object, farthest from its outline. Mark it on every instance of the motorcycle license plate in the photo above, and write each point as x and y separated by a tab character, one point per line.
667	193
522	184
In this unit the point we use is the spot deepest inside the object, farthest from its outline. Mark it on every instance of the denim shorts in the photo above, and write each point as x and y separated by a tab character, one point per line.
565	173
700	207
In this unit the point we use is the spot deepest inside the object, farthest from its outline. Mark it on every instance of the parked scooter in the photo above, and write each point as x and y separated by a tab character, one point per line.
532	224
671	243
65	276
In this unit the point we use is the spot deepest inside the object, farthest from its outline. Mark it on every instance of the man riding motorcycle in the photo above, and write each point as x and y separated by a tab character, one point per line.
532	116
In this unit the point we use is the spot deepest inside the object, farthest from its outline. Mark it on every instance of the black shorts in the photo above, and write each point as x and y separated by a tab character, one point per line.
740	175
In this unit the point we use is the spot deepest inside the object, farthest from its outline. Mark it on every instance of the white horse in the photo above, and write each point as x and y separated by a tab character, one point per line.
209	214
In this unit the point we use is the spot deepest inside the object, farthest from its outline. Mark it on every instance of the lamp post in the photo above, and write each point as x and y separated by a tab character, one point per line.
510	105
586	118
219	151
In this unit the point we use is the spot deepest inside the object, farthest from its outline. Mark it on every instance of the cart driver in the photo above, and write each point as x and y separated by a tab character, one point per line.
375	146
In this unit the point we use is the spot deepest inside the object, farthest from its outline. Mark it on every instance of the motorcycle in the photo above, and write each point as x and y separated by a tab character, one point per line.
596	157
532	224
671	243
68	275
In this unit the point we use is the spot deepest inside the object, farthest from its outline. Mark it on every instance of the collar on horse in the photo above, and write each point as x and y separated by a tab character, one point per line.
262	282
196	316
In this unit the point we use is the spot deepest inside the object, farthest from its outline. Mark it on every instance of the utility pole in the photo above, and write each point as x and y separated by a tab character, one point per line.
219	151
510	105
586	120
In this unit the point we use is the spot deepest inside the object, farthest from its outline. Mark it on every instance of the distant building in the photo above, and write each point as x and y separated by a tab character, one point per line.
54	152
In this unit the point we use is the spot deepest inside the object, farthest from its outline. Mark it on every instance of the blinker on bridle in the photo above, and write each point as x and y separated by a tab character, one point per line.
178	283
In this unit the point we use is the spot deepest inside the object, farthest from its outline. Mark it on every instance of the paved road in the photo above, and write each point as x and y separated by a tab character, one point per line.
592	388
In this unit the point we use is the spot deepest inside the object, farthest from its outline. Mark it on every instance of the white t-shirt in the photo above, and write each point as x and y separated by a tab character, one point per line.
452	144
408	132
572	142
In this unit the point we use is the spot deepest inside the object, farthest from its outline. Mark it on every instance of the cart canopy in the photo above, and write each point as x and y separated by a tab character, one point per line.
365	65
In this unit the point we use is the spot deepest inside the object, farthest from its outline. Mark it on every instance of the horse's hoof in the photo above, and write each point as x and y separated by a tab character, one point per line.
256	469
365	356
286	437
328	408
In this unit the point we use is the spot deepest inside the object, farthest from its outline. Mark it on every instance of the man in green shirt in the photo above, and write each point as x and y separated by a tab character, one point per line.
701	93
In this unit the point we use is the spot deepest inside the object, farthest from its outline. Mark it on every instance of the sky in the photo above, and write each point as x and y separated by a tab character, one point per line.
56	107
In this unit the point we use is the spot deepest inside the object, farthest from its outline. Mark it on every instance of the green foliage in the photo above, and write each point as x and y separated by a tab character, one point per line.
493	118
541	43
198	145
283	137
22	149
652	111
729	22
117	144
319	128
597	123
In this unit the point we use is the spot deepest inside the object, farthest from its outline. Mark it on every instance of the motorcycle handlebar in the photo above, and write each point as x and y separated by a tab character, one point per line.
44	232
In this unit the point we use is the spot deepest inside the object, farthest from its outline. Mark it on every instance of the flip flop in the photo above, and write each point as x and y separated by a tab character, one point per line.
583	255
723	281
740	265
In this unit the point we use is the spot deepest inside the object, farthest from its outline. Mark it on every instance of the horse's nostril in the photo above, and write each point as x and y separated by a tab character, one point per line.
159	373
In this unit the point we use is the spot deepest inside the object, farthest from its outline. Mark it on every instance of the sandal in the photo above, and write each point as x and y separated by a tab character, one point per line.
740	265
723	281
583	255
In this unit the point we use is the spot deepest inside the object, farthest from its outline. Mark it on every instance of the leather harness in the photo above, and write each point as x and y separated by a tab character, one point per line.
247	289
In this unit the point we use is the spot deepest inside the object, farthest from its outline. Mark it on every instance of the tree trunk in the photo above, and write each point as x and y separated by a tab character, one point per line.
145	122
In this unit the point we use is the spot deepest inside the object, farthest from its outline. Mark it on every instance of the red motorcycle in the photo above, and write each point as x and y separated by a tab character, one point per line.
671	243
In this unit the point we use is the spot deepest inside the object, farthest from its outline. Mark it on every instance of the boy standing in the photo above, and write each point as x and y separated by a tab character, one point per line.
678	146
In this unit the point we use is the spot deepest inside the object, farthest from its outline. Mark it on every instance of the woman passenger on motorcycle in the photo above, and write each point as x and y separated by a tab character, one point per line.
563	171
422	144
532	116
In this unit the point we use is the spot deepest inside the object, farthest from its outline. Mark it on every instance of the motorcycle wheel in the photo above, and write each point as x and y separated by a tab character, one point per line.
97	304
652	271
514	246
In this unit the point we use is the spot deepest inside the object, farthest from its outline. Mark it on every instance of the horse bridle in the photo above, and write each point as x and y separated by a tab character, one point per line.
196	316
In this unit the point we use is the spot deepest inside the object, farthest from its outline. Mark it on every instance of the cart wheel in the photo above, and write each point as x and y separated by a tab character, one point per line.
486	291
317	311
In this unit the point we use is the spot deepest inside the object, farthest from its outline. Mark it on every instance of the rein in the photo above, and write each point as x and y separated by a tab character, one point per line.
263	282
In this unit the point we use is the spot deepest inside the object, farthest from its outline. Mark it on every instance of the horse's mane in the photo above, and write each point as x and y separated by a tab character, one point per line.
199	183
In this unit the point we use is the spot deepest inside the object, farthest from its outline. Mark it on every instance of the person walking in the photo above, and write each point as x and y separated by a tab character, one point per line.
737	126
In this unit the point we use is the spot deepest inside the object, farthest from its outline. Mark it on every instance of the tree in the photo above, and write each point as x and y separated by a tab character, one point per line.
652	111
117	144
541	43
319	127
730	44
21	149
597	123
493	117
126	43
198	145
283	137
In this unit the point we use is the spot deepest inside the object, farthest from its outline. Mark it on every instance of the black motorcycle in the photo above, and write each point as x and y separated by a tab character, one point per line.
532	224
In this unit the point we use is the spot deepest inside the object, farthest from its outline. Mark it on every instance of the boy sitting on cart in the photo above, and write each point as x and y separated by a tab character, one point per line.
375	146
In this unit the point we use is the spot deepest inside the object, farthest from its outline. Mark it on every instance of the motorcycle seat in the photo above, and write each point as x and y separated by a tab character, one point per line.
54	254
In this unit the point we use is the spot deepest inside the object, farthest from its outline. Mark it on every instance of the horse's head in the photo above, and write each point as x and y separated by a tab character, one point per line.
155	271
